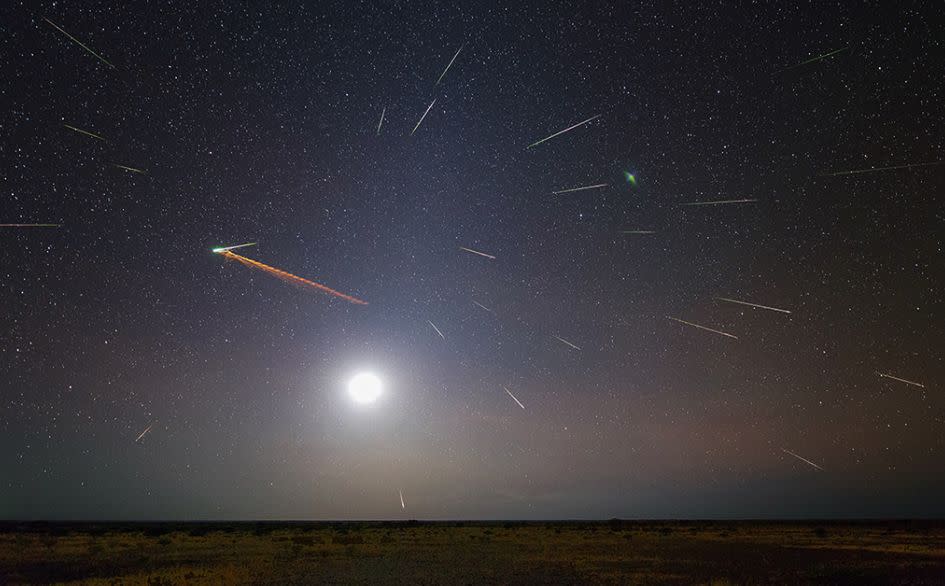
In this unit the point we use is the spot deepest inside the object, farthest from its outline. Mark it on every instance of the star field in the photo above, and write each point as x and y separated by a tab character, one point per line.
259	123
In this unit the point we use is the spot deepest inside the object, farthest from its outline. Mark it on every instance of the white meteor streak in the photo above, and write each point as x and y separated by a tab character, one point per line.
489	256
688	323
513	397
482	306
223	249
802	459
437	329
402	505
450	63
422	117
569	128
85	132
146	430
902	380
566	342
598	186
639	232
752	304
718	202
384	111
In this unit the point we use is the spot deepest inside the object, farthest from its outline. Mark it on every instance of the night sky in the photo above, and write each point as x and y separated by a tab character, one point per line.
258	122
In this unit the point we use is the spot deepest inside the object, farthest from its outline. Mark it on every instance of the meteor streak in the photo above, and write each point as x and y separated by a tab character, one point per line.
450	63
146	430
482	306
818	58
752	305
858	171
598	186
225	248
422	117
85	132
638	232
384	111
566	342
288	277
902	380
30	225
569	128
718	202
402	505
79	43
437	329
129	169
702	327
489	256
802	459
513	397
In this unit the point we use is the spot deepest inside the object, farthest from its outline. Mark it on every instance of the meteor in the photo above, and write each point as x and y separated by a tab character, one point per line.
482	306
598	186
702	327
225	248
569	128
129	169
402	505
30	225
513	397
894	167
437	329
638	232
818	58
384	111
489	256
450	63
902	380
718	202
802	459
752	305
566	342
289	277
146	430
422	117
85	132
79	43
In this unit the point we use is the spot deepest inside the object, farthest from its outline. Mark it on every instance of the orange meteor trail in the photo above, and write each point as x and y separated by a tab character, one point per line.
289	277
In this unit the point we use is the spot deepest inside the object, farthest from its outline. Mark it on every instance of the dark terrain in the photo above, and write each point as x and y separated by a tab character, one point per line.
651	552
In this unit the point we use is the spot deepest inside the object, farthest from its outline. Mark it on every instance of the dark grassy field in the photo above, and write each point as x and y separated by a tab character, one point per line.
474	553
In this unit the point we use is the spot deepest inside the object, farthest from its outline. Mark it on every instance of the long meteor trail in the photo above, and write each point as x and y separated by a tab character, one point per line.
437	329
142	434
801	458
752	304
563	341
489	256
402	505
30	225
638	232
569	128
85	132
689	323
585	187
384	111
79	43
718	202
450	64
902	380
874	169
129	169
288	277
419	122
482	306
818	58
513	397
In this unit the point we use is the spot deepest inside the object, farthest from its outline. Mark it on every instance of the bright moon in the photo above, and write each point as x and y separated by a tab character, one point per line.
364	388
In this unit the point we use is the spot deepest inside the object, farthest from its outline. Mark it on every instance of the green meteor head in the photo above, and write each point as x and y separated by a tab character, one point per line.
631	179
